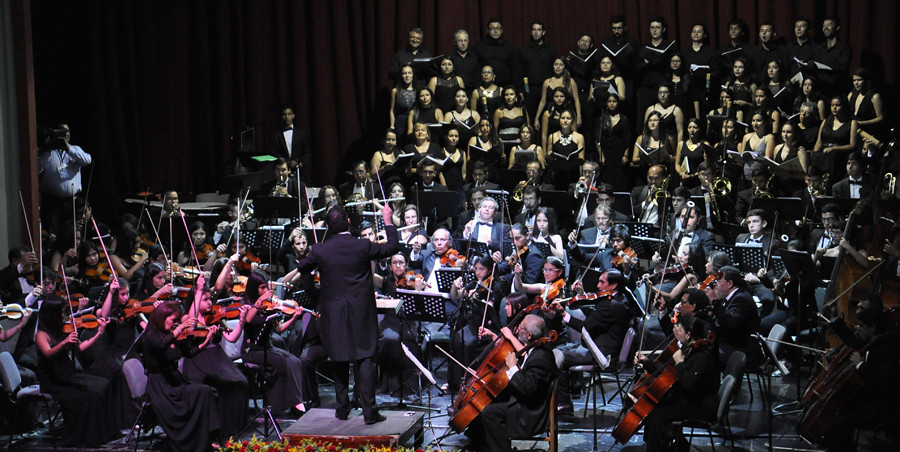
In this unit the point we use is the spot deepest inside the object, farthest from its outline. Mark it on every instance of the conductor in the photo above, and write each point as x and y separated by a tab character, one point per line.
349	324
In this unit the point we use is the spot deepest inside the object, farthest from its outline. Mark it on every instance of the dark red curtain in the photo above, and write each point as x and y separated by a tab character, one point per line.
158	91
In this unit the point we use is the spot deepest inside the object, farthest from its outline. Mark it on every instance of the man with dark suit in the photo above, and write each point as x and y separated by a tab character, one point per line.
820	238
606	322
361	184
756	225
428	174
429	259
483	228
349	323
856	179
815	188
735	315
645	210
291	143
745	197
693	233
599	235
14	287
531	259
525	409
479	178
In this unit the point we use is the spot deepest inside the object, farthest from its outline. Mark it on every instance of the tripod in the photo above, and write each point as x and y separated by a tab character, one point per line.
269	417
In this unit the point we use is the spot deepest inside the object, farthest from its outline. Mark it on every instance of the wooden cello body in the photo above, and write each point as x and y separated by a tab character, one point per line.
646	394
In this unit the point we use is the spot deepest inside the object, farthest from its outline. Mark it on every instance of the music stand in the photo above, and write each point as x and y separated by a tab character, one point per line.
235	183
544	247
728	249
468	247
275	207
645	246
789	209
437	204
319	233
303	299
588	280
846	204
636	228
510	178
423	306
622	203
750	257
446	275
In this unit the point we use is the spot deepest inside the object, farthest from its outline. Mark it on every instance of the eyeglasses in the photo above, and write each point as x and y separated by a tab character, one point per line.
549	270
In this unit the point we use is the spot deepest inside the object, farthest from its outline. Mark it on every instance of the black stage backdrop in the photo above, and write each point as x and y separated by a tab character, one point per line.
157	90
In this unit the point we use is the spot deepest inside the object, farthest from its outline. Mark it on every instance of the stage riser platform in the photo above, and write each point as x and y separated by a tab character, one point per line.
319	424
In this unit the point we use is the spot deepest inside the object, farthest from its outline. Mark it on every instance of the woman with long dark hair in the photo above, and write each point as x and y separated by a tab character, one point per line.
188	413
84	399
445	85
403	98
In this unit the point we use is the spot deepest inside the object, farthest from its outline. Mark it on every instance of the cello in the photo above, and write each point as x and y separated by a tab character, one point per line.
490	379
651	388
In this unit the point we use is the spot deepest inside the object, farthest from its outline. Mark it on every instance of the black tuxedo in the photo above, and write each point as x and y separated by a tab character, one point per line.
705	238
369	189
841	189
526	412
349	323
437	186
10	289
499	233
765	240
300	148
736	320
532	266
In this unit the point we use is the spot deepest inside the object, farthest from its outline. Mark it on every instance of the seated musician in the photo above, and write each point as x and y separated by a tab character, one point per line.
470	210
429	178
395	367
816	187
17	279
480	175
745	197
93	272
484	229
202	247
595	236
759	283
534	171
852	185
877	361
531	201
606	320
361	187
693	302
693	395
693	232
428	260
412	232
586	186
706	174
477	309
735	315
643	197
553	286
524	252
523	409
284	183
690	271
154	284
839	243
606	196
820	238
680	196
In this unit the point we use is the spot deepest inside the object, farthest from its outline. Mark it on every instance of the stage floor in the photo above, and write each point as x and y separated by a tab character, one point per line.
748	419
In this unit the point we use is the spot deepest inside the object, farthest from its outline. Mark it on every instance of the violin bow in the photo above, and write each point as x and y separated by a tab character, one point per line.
75	225
771	242
584	202
105	252
515	248
312	219
40	257
62	269
488	298
194	310
27	225
87	193
156	234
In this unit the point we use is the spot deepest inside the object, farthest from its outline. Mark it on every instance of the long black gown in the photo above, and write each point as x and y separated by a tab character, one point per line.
84	399
616	143
211	366
285	385
110	355
188	413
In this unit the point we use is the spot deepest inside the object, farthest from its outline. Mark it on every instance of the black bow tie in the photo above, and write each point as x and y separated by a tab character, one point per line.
288	128
855	182
485	224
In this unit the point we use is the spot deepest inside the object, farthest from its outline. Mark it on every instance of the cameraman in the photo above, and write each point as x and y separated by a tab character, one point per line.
59	168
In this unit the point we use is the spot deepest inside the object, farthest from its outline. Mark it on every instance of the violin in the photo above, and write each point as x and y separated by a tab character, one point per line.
513	258
578	301
621	256
198	331
452	258
672	270
289	307
219	313
99	272
84	322
14	311
135	307
408	280
482	287
780	283
710	281
550	292
245	263
239	285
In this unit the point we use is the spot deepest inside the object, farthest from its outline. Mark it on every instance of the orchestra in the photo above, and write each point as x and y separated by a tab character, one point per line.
296	291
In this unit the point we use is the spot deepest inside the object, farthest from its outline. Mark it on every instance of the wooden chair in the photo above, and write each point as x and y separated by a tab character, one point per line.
552	437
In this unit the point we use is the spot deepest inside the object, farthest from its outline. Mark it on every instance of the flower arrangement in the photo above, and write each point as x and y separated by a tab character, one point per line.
307	445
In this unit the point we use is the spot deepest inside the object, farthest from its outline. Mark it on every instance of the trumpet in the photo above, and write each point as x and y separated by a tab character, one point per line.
519	193
865	135
889	183
280	190
582	187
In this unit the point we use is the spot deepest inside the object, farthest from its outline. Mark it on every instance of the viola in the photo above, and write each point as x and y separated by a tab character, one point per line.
452	258
199	331
245	263
620	257
550	292
780	283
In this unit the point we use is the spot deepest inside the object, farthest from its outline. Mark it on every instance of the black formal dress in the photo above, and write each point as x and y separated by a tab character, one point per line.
212	367
285	371
188	413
